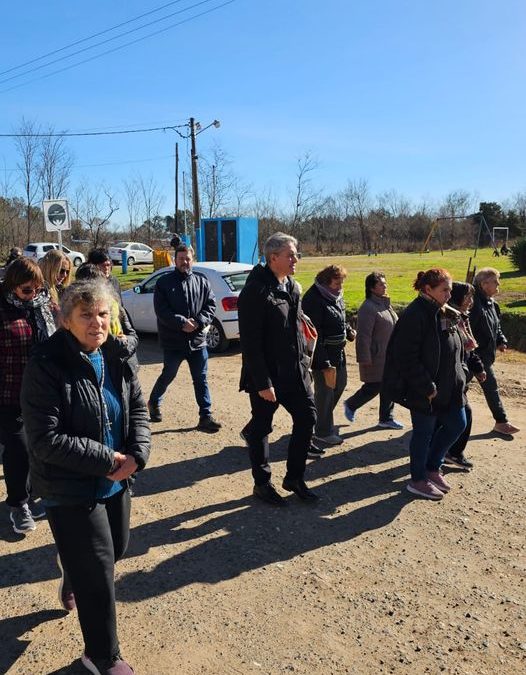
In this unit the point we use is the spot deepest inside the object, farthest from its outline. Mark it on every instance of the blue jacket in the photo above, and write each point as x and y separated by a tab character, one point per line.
179	297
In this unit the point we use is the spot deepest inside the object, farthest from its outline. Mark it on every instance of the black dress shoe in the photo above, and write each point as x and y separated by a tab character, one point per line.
155	412
299	488
208	424
459	460
267	493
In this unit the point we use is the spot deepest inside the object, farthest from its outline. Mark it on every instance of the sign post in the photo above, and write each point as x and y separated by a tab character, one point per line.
56	217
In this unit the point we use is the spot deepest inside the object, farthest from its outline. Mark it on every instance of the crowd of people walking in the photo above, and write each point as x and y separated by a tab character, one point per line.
75	425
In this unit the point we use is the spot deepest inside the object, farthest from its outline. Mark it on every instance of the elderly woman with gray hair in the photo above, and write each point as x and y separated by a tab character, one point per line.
88	433
486	328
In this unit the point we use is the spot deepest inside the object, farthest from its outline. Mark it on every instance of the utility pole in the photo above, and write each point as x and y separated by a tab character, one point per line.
195	185
176	214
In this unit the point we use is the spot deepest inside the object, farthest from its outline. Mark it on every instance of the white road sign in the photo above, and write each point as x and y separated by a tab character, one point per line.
56	215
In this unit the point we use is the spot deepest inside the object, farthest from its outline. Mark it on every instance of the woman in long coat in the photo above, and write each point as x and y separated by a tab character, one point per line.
376	320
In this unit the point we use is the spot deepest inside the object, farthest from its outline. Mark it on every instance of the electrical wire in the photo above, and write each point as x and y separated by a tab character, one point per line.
52	134
126	44
90	37
103	42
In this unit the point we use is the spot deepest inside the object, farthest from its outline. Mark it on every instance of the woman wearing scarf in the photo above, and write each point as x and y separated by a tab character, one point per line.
462	300
323	303
376	320
424	372
25	320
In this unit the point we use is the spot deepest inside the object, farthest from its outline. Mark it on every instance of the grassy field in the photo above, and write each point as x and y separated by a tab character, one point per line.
400	270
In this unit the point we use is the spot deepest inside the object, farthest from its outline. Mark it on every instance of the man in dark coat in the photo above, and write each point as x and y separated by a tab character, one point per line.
185	306
275	368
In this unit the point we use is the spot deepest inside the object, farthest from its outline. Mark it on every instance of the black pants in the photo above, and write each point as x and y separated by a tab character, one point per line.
90	539
15	459
300	406
490	388
459	445
366	393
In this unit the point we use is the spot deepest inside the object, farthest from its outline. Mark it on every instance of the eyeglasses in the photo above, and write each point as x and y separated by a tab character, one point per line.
29	290
62	272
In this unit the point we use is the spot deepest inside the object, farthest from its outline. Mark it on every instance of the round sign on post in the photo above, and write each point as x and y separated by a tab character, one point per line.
56	215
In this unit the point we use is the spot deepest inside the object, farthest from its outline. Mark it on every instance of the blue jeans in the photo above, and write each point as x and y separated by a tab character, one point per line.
198	363
432	437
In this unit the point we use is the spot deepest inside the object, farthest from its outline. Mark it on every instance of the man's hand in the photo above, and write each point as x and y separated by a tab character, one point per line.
481	377
189	326
268	394
502	347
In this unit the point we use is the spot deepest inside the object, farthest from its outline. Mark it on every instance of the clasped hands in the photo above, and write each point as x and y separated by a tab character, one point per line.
126	465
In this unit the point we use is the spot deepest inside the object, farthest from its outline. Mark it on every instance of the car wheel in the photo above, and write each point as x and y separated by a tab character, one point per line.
131	260
215	338
77	262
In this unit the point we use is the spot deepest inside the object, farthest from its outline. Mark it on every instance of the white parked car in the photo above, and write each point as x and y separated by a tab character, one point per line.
40	248
226	279
137	253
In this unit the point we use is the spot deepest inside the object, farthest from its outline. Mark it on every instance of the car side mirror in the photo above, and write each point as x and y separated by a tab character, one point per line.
137	289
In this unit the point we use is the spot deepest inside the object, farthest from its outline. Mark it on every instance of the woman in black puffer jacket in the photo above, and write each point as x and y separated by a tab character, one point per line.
424	372
88	433
323	303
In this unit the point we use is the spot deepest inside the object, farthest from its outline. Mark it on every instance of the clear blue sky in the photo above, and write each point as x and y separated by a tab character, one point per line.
420	97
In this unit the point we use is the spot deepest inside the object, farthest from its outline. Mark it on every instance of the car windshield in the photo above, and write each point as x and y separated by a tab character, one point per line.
236	281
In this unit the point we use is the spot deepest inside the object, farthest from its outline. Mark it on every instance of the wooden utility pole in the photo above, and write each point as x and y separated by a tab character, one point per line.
176	214
195	184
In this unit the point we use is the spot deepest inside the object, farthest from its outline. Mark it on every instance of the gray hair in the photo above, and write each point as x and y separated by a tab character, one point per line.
276	242
484	274
90	292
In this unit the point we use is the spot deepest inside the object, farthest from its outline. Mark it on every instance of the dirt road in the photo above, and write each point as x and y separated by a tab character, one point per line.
367	581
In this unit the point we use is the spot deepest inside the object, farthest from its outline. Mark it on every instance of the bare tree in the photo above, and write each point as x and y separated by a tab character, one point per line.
241	192
457	203
28	145
93	208
357	203
55	162
265	208
151	203
132	194
217	181
306	198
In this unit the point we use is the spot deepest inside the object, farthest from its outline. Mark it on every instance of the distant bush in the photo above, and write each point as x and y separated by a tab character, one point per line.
514	328
518	255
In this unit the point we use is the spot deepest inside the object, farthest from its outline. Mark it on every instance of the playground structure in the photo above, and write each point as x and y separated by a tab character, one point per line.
483	225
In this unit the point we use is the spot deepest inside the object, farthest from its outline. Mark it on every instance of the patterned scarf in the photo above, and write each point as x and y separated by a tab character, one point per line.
326	293
38	313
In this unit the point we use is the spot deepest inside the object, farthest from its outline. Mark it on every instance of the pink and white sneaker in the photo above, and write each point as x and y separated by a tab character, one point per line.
438	480
425	489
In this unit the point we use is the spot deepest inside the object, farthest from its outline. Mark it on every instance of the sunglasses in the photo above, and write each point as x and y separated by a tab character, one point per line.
29	290
62	271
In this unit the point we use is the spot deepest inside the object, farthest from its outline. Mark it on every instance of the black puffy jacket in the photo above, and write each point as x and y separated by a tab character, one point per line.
273	345
328	316
64	419
413	361
179	297
484	319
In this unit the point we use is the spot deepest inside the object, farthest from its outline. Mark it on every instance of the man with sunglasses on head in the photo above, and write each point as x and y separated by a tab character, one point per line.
25	320
275	368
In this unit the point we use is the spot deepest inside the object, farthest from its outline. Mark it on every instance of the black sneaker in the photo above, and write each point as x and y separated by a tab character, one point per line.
314	452
268	493
208	424
21	519
37	510
299	488
155	412
460	461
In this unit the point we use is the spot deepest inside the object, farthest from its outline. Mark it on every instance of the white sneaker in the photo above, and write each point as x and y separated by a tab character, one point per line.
333	439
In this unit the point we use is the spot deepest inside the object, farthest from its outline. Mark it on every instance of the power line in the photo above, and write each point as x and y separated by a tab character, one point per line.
90	37
126	44
95	133
103	42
